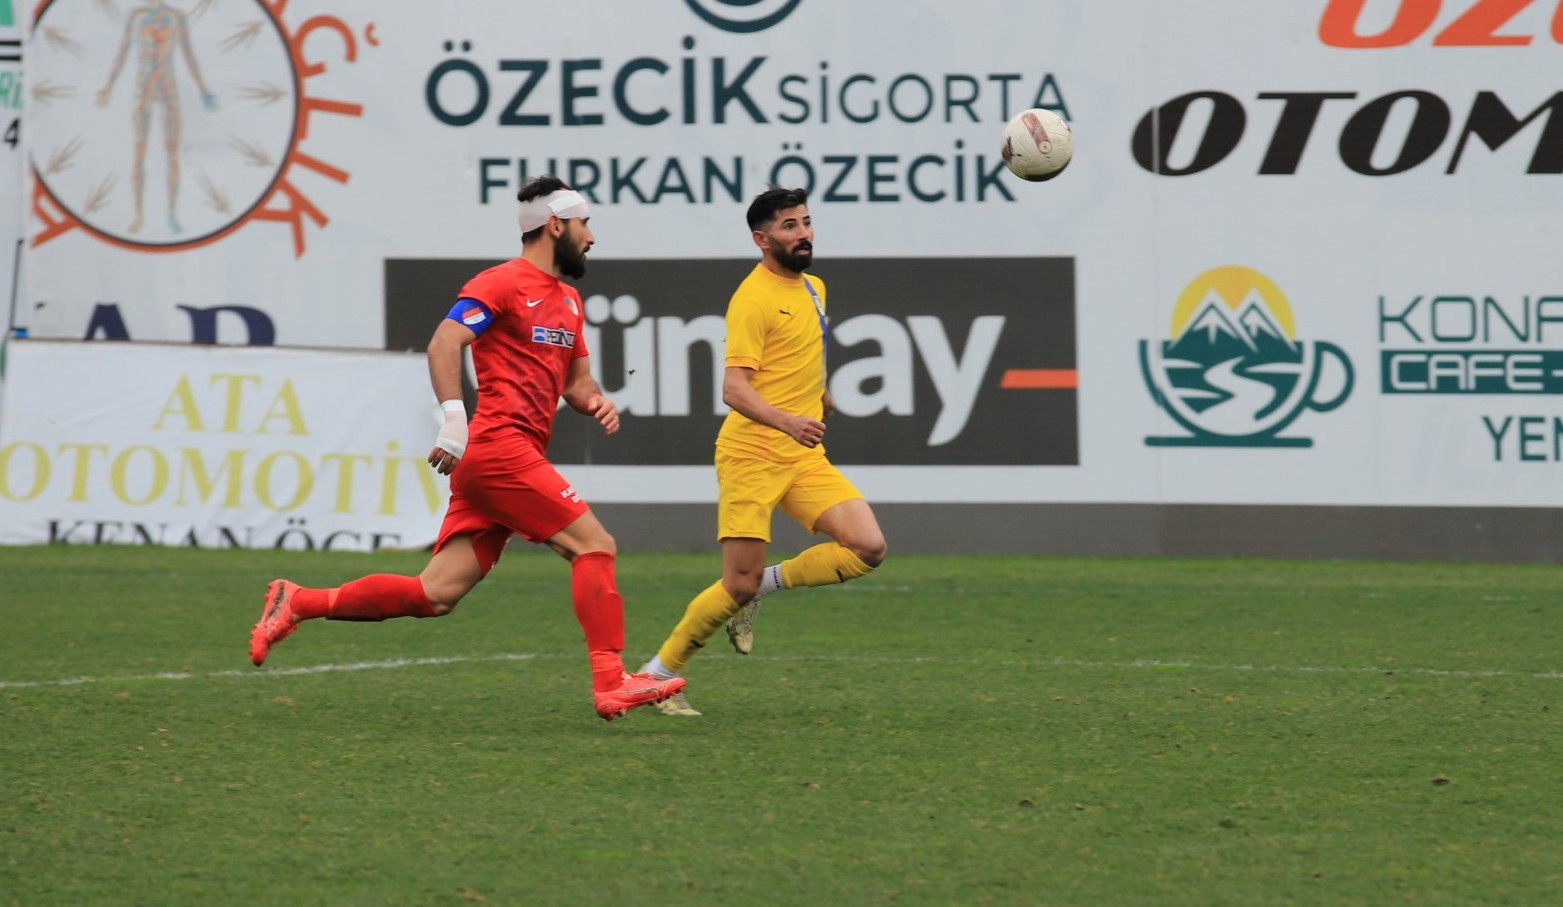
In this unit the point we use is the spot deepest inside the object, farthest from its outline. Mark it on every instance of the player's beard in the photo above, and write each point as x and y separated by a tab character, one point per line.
796	259
569	257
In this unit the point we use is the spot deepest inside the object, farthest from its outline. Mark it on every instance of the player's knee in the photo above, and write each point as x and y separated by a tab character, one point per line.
603	544
580	545
598	540
442	601
871	551
743	587
445	594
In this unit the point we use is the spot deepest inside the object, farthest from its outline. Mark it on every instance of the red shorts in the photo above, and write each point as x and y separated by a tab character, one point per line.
497	490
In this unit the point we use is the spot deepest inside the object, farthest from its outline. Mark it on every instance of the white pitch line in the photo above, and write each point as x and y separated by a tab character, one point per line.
1305	669
387	665
1157	664
1136	664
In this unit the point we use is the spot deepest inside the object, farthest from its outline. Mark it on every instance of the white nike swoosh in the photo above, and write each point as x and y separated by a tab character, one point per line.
531	303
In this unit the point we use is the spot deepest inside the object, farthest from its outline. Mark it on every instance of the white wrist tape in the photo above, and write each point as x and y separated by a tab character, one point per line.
453	434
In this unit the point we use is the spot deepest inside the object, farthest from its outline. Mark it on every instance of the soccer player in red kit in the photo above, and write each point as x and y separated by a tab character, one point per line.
523	324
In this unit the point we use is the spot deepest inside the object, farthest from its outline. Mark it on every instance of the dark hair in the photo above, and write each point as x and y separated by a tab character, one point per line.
765	205
537	187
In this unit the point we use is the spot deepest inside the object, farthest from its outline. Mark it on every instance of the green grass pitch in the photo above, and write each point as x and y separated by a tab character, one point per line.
950	730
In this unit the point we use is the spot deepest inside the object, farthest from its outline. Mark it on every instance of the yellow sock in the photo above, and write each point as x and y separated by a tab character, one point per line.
825	564
706	613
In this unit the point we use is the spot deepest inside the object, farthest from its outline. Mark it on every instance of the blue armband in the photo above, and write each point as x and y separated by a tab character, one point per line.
471	314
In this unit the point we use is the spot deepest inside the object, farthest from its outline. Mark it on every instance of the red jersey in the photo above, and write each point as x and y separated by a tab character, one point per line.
523	351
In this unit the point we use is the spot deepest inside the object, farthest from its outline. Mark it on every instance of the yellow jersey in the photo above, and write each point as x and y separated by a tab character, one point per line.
774	328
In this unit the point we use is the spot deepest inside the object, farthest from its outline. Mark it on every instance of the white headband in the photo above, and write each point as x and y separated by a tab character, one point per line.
561	203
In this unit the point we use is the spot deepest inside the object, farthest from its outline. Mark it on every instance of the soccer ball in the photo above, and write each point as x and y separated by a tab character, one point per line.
1038	145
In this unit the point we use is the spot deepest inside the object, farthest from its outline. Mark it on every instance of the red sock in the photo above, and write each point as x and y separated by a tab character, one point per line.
380	596
600	609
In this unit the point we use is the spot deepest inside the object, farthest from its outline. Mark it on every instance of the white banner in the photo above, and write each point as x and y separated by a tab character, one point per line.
217	447
1311	245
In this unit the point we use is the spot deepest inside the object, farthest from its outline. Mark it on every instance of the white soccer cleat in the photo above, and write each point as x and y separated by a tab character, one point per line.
740	629
677	705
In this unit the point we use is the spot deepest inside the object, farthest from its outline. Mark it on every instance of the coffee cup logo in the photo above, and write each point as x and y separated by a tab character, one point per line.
1234	373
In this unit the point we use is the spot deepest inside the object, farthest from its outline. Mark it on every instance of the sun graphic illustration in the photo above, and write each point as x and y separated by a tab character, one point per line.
167	125
1237	288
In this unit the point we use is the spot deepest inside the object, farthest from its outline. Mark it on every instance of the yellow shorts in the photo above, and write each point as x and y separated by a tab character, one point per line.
751	489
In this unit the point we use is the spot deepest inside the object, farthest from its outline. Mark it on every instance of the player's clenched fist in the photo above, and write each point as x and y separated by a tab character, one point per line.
604	411
452	440
806	431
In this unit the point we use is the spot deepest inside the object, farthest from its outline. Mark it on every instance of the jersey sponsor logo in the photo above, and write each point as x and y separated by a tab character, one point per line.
533	303
553	336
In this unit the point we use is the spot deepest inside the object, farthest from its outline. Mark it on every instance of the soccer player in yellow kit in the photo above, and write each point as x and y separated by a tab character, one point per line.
769	452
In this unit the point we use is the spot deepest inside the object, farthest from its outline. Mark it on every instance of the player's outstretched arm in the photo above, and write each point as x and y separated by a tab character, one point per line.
584	395
739	393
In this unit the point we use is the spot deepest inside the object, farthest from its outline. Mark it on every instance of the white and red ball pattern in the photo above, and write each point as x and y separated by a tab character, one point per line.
1038	145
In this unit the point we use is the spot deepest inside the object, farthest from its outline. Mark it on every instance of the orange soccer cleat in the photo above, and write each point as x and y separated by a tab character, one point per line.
636	691
276	622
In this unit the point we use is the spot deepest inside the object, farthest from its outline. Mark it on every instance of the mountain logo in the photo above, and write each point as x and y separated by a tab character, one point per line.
1233	372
